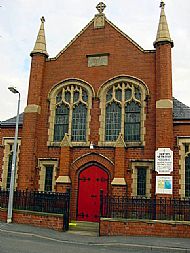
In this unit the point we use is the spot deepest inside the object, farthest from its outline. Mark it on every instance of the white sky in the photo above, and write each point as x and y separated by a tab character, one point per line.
20	22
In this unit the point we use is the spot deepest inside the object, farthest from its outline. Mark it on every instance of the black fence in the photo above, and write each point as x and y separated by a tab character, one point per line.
145	208
47	202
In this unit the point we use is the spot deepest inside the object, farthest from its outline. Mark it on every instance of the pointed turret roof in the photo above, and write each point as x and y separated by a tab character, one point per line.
40	45
163	34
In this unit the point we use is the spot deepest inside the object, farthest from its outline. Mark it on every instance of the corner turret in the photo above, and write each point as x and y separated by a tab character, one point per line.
40	45
163	34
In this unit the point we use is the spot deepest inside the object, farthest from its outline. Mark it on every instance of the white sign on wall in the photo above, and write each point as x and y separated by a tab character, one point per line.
164	160
164	185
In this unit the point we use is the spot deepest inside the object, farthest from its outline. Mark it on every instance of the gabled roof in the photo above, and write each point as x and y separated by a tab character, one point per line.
180	110
12	122
86	27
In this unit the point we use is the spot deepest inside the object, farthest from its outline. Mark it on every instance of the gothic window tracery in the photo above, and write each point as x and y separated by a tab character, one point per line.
71	113
123	112
70	104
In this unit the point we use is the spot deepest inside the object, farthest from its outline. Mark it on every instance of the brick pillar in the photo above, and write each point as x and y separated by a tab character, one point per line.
94	122
119	186
28	151
63	182
164	99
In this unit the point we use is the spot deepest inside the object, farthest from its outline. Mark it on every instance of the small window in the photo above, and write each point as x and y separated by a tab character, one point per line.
9	170
48	178
187	176
141	181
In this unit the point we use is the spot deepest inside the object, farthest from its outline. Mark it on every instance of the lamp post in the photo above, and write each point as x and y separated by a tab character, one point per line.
13	170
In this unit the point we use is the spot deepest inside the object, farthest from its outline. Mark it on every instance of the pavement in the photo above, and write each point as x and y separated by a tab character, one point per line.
153	244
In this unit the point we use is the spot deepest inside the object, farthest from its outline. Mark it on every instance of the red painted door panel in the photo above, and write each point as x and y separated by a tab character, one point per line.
91	181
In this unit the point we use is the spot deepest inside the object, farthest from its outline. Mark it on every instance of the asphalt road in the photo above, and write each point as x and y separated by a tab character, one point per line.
23	243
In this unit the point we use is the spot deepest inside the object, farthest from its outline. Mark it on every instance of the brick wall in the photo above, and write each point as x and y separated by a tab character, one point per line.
36	219
144	228
3	214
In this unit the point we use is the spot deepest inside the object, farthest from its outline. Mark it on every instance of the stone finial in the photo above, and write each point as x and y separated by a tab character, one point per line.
120	143
101	7
66	142
162	4
42	19
40	45
99	19
163	34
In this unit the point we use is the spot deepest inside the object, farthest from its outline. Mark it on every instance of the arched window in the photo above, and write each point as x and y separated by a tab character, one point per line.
70	104
79	123
113	121
132	121
61	121
122	103
187	176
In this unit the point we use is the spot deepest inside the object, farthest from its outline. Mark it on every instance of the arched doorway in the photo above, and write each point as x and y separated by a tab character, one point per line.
91	181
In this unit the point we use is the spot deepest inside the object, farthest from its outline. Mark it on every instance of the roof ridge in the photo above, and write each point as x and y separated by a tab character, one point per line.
125	35
12	120
188	107
181	111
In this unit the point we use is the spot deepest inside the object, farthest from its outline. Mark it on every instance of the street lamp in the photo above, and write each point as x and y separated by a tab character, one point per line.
13	170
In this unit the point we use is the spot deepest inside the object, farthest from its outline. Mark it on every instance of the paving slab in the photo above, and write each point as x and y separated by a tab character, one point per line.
149	243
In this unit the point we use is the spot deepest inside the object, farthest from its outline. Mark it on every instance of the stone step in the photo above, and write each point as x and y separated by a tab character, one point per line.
84	226
83	233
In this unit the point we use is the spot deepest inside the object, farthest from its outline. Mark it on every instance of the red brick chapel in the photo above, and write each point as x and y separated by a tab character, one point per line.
96	115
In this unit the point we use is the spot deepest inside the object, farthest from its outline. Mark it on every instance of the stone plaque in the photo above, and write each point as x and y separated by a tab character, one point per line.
94	61
99	21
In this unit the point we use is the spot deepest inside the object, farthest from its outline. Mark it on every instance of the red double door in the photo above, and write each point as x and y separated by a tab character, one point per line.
91	181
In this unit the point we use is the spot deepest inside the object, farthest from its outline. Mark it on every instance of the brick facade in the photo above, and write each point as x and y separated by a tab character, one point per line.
126	60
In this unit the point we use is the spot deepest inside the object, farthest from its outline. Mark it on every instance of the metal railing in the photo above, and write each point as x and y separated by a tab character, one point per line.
145	208
47	202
